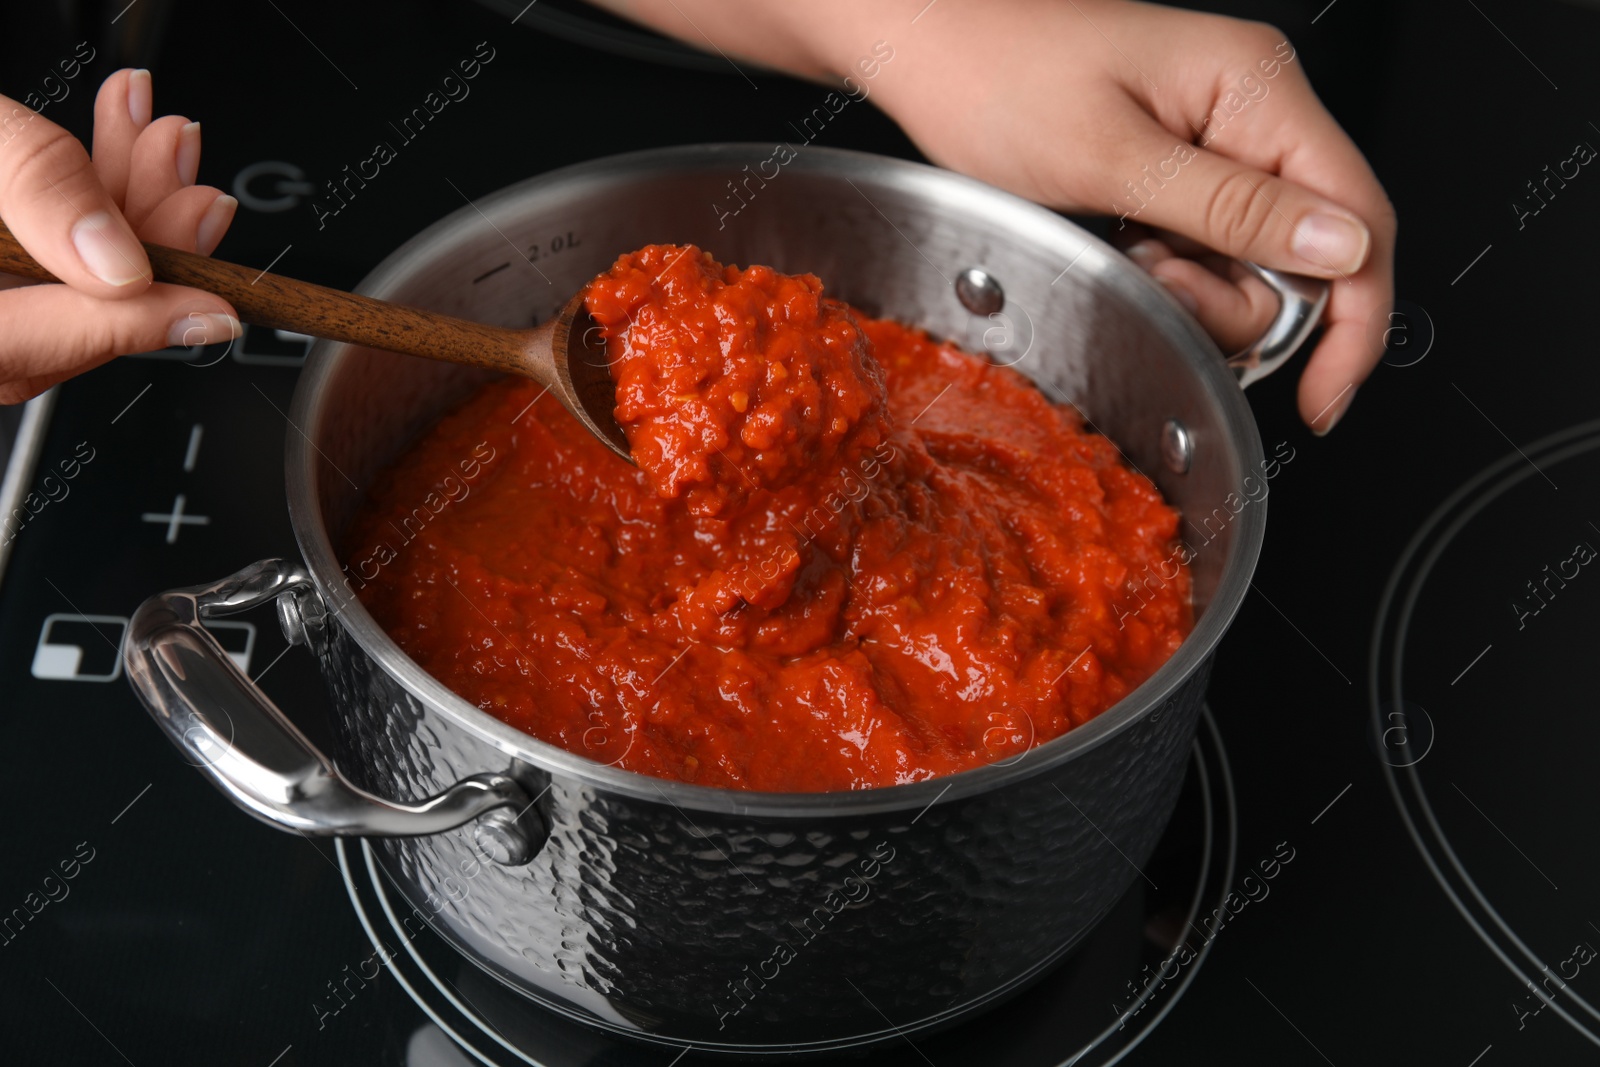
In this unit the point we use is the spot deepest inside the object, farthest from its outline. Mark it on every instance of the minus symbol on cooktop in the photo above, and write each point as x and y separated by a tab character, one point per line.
1474	663
194	447
492	271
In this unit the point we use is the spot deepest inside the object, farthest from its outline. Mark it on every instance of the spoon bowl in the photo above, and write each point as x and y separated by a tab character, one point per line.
581	368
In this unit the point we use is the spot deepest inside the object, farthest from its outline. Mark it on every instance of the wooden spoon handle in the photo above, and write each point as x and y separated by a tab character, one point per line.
281	303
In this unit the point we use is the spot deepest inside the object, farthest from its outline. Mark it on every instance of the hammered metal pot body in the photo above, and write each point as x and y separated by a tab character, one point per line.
751	922
647	918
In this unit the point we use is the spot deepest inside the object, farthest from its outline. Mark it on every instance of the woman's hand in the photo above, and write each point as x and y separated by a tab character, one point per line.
83	221
1195	125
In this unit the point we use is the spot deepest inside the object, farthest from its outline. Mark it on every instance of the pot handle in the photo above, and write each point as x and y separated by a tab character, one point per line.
1301	303
249	749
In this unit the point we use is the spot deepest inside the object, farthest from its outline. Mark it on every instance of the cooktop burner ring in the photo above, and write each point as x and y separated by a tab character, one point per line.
1416	563
459	1018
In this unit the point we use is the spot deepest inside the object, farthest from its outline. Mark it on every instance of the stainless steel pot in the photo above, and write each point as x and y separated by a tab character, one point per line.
731	920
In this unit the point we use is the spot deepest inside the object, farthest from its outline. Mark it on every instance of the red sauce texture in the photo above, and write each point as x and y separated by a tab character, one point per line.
850	555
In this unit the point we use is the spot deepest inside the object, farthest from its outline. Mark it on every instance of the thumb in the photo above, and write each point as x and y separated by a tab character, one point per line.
1246	213
53	202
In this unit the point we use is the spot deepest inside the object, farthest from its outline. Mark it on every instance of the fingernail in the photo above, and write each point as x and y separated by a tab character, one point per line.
1181	295
108	250
214	223
1143	253
139	97
189	153
1335	413
1331	242
196	328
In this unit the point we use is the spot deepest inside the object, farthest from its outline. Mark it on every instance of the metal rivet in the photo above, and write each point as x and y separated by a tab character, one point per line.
301	614
498	837
978	292
289	621
1177	448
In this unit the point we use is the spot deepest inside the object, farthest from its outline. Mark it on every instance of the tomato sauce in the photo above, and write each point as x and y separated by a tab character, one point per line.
850	555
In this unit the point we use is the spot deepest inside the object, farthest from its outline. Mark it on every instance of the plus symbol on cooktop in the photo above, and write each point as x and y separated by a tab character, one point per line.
175	519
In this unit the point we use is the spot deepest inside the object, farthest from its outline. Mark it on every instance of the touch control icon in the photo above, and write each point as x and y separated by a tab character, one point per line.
80	648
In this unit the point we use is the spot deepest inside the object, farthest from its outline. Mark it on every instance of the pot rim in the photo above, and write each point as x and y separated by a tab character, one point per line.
301	455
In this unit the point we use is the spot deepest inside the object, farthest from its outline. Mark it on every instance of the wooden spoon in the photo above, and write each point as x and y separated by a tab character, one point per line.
566	355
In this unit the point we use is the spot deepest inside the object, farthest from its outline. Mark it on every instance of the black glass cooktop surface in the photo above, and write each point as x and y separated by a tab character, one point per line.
1404	703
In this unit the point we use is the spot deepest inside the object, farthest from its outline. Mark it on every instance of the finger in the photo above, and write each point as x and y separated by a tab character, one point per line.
1131	233
1235	209
1342	361
1231	303
52	201
1350	348
192	219
54	330
121	112
1148	252
166	158
1177	243
1298	139
1234	309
